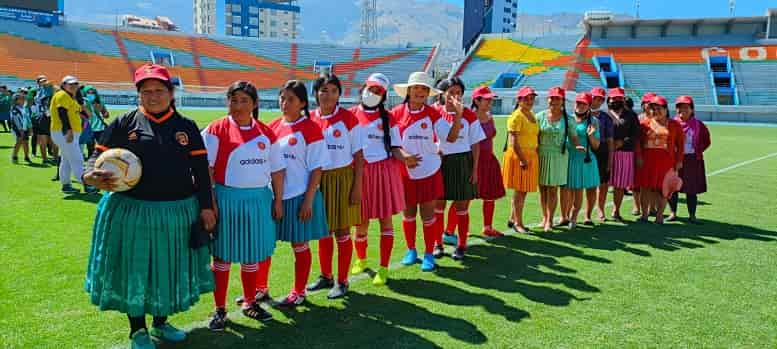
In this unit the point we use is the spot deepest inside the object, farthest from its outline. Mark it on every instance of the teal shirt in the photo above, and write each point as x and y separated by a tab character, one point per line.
552	133
582	132
96	122
5	103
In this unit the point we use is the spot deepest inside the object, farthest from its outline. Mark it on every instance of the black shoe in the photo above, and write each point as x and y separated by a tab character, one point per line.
261	297
291	301
321	283
694	220
589	223
55	178
458	254
91	190
68	189
338	291
219	320
439	251
27	160
510	224
256	312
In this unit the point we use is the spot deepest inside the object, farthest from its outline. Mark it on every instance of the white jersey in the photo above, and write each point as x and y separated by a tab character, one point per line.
242	157
471	133
373	133
418	138
343	136
303	148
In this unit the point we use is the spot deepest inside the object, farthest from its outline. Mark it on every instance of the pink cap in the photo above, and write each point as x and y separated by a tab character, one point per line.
684	100
660	100
617	92
598	92
151	71
483	92
556	92
526	91
648	97
584	97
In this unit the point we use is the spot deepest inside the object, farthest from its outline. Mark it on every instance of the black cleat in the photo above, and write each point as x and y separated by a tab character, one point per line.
219	320
338	291
256	312
439	251
458	254
321	283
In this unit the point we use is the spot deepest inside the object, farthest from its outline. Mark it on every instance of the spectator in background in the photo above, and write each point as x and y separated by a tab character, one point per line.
66	128
20	124
5	107
42	121
97	115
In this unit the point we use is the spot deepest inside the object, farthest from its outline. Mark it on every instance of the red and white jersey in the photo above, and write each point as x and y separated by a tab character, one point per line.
471	132
343	136
242	156
418	138
303	148
372	129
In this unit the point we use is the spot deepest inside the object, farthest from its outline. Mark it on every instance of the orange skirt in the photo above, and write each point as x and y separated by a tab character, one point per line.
517	178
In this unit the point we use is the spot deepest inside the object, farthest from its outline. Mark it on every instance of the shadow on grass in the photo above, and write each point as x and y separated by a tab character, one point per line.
523	273
667	237
367	320
93	198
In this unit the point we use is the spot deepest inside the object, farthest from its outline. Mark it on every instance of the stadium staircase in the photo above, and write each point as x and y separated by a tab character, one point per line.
724	88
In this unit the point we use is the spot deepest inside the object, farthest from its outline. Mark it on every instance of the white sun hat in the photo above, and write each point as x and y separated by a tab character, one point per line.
417	79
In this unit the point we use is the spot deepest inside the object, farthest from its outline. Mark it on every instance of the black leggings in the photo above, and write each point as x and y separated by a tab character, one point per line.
139	323
691	200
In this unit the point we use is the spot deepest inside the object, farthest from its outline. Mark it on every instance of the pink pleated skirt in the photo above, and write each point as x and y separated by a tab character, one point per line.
383	193
622	176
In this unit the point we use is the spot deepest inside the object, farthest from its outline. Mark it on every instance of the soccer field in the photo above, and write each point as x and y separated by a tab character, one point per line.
613	285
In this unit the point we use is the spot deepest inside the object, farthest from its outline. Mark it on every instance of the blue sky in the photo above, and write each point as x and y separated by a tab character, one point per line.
180	10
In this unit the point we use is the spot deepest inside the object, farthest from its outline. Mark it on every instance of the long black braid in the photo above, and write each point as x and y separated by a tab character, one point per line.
566	126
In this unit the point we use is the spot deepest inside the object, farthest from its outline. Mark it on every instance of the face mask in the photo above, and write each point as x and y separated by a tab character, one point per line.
91	98
370	100
617	105
580	115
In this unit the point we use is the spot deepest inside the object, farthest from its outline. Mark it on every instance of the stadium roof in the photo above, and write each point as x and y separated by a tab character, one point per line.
659	22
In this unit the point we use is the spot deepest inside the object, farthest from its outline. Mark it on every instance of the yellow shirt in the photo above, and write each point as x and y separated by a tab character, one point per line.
527	131
63	99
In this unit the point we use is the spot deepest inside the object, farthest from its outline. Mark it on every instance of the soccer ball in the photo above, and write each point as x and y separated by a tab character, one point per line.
124	165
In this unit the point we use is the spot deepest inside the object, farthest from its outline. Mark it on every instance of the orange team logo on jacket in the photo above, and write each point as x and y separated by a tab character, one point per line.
182	138
337	133
261	145
292	141
424	126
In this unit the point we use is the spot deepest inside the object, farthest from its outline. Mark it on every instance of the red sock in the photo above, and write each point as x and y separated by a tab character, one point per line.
221	276
463	217
439	219
386	244
326	247
248	273
429	235
451	227
344	253
302	261
408	226
263	275
488	214
360	243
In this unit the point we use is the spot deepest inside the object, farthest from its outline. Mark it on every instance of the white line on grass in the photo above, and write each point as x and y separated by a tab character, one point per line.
475	241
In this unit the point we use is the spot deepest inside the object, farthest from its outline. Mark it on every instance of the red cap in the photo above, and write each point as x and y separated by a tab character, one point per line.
648	97
151	71
598	92
556	92
584	97
483	92
660	100
684	100
525	91
617	92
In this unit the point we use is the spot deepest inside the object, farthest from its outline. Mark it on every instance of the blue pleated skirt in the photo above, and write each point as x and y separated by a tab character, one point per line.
581	174
291	229
246	229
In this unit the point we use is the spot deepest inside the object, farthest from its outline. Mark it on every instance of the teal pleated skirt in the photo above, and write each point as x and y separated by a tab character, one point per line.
246	229
291	229
140	261
582	175
553	167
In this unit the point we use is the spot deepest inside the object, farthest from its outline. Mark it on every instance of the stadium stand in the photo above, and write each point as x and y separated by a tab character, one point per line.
102	54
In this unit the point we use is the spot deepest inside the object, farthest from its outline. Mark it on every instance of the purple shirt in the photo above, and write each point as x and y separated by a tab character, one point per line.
487	145
606	126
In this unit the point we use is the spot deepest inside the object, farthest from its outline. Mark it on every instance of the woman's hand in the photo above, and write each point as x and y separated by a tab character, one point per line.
305	211
523	163
100	179
591	130
474	177
69	136
457	105
356	195
580	148
411	161
277	209
678	167
208	216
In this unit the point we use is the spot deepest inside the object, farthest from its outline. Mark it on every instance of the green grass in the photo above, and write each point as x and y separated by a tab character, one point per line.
610	286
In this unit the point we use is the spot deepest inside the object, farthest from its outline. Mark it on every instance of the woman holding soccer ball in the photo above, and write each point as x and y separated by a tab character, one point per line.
142	260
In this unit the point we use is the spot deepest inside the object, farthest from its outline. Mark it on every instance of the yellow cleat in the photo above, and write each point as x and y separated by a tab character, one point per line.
381	277
359	267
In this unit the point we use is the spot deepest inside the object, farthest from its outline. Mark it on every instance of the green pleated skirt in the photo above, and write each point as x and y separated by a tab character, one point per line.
554	167
246	229
456	171
140	261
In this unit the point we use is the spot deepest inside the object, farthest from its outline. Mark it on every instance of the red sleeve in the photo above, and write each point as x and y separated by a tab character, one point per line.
704	139
349	119
311	132
679	141
267	131
469	115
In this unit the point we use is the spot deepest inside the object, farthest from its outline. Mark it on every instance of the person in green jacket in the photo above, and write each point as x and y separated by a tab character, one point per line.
5	107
